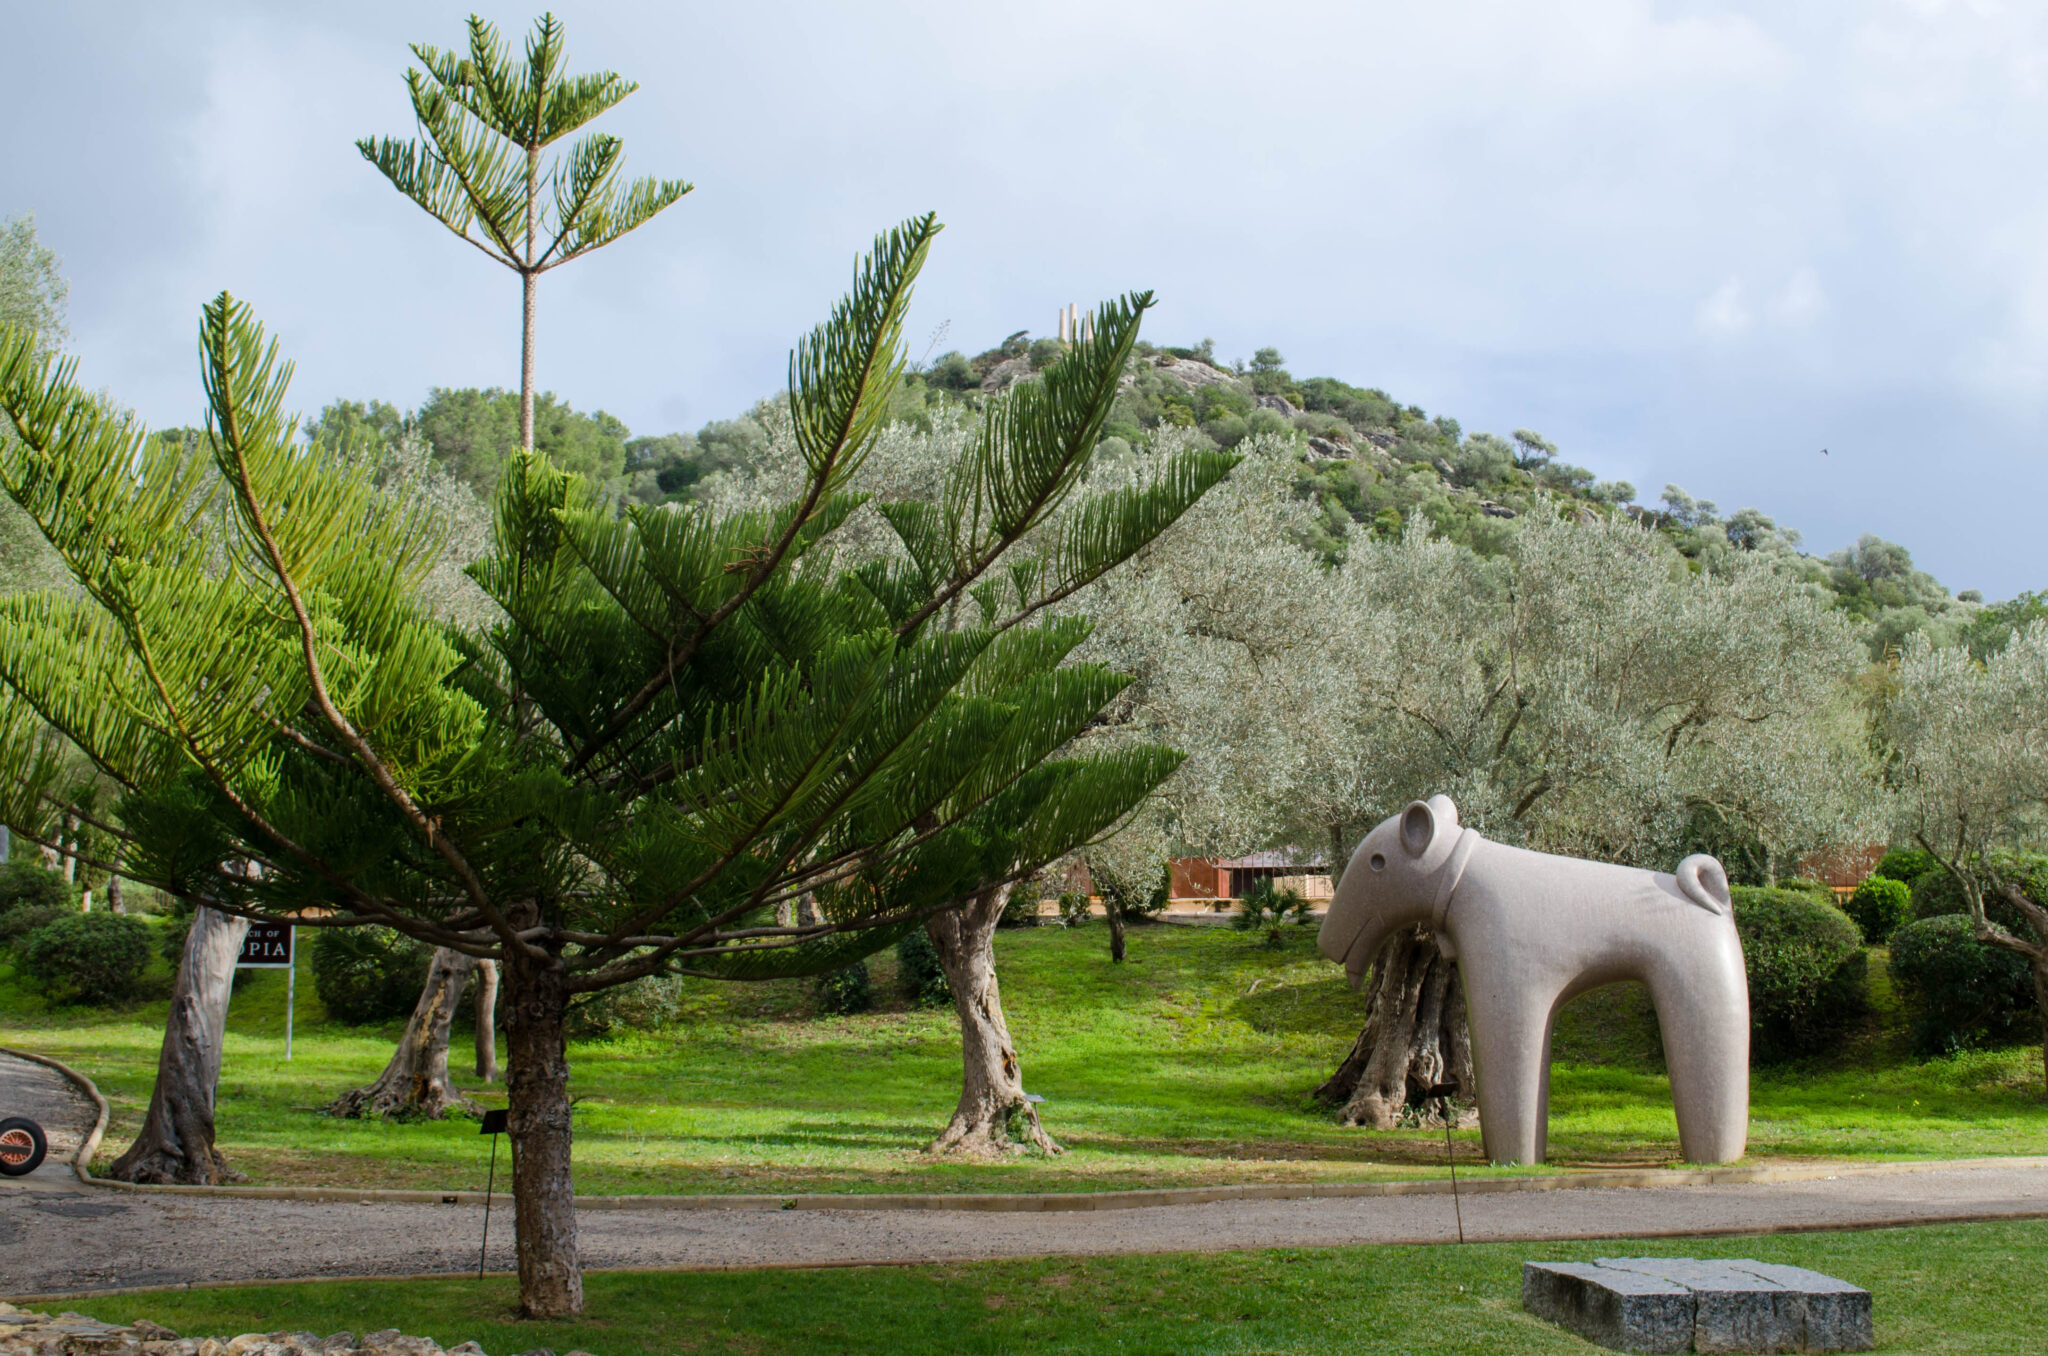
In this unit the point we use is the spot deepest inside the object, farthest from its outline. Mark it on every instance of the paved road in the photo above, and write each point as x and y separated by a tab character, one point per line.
57	1235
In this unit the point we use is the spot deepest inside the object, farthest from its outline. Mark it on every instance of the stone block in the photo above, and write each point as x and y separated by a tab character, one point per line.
1685	1304
1625	1310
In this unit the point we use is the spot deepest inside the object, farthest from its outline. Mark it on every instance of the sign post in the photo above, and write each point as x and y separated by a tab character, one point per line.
268	946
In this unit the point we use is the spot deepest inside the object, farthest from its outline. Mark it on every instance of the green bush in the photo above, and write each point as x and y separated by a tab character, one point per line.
1960	992
1266	910
1021	909
1879	906
1938	893
17	924
919	975
1806	970
26	884
644	1005
841	993
368	975
94	958
1906	864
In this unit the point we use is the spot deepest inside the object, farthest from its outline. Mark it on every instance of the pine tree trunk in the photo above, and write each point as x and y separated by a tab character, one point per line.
176	1143
993	1117
543	1188
487	1020
115	902
1116	928
1415	1038
416	1084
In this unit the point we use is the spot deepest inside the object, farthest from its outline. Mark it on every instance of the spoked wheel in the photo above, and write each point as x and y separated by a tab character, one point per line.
22	1146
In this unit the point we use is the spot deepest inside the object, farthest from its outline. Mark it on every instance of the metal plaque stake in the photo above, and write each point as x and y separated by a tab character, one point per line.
494	1126
1448	1091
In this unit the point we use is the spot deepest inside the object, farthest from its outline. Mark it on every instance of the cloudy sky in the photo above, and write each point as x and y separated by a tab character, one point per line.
1691	243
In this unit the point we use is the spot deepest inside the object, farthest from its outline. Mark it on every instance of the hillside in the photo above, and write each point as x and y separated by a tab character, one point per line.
1366	459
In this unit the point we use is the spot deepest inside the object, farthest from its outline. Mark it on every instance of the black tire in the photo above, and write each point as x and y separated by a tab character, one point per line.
22	1146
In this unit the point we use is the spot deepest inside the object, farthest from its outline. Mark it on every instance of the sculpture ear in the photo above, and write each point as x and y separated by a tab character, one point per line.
1418	828
1445	809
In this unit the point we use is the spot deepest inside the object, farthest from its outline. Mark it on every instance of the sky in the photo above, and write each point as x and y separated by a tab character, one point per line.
1690	243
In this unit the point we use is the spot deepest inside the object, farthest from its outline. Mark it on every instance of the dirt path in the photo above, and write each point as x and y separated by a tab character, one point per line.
57	1235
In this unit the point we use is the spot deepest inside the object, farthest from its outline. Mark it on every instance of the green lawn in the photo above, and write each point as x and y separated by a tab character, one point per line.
1960	1288
1189	1065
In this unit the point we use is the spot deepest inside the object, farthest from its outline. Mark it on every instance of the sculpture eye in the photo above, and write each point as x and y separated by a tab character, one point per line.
1379	862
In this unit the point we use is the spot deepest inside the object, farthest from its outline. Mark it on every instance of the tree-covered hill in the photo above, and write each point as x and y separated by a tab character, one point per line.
1366	459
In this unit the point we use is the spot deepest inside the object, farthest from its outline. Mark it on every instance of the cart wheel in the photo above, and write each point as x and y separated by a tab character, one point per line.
22	1146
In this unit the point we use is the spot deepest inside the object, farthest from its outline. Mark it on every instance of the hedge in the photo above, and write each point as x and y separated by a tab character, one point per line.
92	958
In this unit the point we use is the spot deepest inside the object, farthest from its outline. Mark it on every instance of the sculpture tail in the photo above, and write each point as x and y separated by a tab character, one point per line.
1705	882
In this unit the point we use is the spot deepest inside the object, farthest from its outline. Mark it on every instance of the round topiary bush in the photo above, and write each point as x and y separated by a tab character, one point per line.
918	972
93	958
643	1005
1806	970
368	975
1879	906
1960	992
840	993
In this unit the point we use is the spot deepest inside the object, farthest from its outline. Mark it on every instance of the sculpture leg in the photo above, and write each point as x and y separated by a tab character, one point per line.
1703	1012
1509	1046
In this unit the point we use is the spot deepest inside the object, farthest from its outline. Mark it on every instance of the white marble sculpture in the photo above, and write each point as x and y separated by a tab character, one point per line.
1530	931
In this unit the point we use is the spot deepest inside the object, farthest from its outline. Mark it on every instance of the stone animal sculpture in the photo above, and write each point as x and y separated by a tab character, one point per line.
1530	931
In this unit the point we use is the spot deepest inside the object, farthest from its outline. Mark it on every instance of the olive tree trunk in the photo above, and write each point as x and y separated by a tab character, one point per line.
176	1142
1115	914
543	1188
994	1117
2036	954
487	1020
415	1084
1415	1038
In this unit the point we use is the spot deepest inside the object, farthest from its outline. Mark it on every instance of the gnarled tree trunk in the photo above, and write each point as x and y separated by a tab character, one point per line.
416	1083
176	1143
487	1020
994	1117
543	1188
1115	915
1415	1038
2036	954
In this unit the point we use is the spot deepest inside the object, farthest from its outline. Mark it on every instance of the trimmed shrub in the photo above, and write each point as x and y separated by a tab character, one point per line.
841	993
94	958
919	975
368	975
1906	864
27	884
1879	906
1960	992
1806	970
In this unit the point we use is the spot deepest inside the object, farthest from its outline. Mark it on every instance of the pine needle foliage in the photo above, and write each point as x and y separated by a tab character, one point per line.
485	119
681	723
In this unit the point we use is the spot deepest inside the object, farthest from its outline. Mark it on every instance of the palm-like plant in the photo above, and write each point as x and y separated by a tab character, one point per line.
682	719
484	122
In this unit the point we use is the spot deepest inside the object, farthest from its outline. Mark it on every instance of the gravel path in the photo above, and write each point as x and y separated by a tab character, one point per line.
81	1238
47	1098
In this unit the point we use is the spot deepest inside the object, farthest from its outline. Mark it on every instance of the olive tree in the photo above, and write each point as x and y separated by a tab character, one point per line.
1970	741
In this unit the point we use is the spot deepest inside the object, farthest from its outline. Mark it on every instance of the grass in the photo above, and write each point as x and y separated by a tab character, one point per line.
1957	1288
1189	1065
